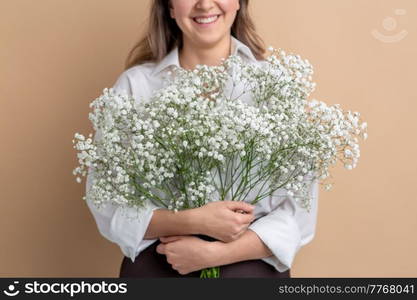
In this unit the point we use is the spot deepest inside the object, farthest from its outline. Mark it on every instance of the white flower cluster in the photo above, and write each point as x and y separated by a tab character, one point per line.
196	140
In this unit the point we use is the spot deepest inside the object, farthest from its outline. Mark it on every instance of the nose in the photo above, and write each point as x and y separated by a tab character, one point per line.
204	4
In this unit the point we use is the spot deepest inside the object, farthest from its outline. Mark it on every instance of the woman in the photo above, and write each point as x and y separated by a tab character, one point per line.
245	240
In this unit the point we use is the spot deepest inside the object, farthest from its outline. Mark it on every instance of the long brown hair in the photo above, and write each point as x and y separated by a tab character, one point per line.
163	34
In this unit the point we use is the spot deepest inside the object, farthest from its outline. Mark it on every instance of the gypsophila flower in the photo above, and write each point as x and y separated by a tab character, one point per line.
217	133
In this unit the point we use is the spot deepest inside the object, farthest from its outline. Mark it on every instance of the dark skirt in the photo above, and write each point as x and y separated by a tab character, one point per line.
151	264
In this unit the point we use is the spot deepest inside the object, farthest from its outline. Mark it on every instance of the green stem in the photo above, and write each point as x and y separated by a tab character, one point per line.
213	272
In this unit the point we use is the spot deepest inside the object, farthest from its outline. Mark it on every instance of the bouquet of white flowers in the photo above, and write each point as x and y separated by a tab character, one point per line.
196	141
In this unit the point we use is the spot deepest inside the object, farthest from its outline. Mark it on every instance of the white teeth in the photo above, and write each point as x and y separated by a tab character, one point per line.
205	20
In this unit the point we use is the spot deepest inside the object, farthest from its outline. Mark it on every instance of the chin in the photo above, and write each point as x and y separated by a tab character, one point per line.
209	39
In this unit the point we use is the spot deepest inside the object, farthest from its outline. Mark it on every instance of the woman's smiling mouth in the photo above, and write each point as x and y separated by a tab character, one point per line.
206	20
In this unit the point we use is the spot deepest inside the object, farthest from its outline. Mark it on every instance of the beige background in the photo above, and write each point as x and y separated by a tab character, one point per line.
57	56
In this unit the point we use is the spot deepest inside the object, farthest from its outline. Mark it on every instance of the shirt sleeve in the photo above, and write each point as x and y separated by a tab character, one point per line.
124	226
287	228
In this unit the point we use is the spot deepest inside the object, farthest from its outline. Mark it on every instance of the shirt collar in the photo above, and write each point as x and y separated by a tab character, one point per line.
171	59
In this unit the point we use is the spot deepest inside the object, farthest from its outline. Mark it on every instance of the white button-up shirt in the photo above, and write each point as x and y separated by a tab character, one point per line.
280	223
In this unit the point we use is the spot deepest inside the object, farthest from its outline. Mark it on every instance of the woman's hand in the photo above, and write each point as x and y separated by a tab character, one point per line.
225	220
187	253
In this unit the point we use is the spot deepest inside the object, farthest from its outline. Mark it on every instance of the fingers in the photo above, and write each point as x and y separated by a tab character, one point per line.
168	239
160	249
247	218
241	206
